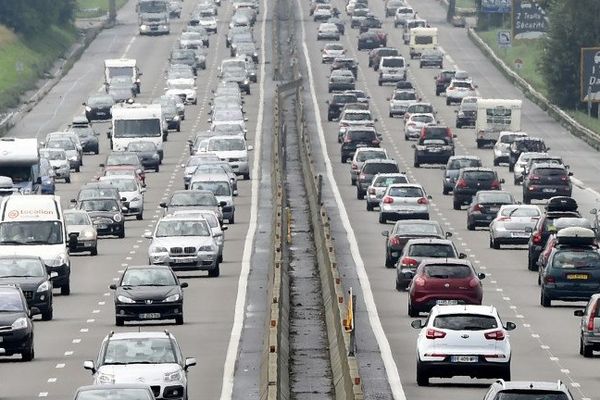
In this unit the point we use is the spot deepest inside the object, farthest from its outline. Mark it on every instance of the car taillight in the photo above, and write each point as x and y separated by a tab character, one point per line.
361	176
495	335
496	185
474	282
477	207
549	279
461	184
503	218
394	241
372	191
590	324
408	262
434	334
347	140
419	281
375	141
354	165
411	125
564	178
536	238
388	200
423	200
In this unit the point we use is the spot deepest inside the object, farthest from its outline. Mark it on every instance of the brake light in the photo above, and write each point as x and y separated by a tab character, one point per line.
590	324
419	281
495	335
423	200
536	238
477	207
347	140
388	200
434	334
564	178
394	241
375	141
371	191
354	165
474	282
503	218
496	184
408	262
461	184
411	125
549	279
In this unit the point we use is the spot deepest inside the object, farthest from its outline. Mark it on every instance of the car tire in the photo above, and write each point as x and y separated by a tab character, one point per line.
178	127
389	262
157	168
29	354
399	286
215	272
456	204
458	125
382	219
78	168
352	182
122	234
140	216
247	176
231	220
470	226
545	301
495	244
97	151
48	314
360	195
416	163
380	82
511	167
68	180
422	377
412	312
342	160
531	264
94	251
179	320
448	102
119	321
445	191
586	351
479	144
506	373
420	65
391	115
496	163
526	199
369	206
66	289
491	243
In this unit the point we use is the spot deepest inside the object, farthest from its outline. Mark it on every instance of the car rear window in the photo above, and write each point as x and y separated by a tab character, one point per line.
503	198
405	96
362	135
447	271
550	172
377	168
479	175
370	155
431	250
385	182
436	133
531	146
464	163
421	109
530	394
405	191
447	75
465	322
344	98
415	229
573	259
508	138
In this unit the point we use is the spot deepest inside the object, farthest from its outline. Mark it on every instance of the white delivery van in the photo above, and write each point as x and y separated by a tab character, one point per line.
122	67
494	116
20	161
137	122
35	225
422	39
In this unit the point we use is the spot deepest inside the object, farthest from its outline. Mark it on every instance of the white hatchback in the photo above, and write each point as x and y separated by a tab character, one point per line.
463	340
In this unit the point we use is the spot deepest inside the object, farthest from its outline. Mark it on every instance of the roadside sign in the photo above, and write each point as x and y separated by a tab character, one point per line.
518	63
589	83
529	20
503	39
495	6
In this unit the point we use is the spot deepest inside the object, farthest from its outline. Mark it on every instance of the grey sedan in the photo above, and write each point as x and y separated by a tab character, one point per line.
513	225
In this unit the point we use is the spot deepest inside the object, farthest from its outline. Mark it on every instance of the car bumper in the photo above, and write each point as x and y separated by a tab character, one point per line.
392	77
85	245
547	192
570	292
437	158
64	275
328	37
201	262
481	219
426	303
154	311
479	369
240	167
41	300
155	30
511	237
396	213
16	341
341	87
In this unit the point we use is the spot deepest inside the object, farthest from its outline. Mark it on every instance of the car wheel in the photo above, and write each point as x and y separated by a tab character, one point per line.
28	354
420	65
391	115
94	251
360	195
496	244
405	137
247	176
412	312
389	262
531	264
119	321
496	163
422	377
68	180
97	151
399	286
178	127
66	289
342	159
215	272
506	373
448	102
416	163
586	351
445	191
122	234
382	219
456	204
78	168
545	301
231	220
48	314
458	125
157	168
470	226
491	242
479	144
380	83
140	216
179	320
526	199
369	206
511	167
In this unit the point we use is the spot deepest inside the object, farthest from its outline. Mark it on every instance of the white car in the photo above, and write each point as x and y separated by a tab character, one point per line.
458	90
208	23
401	99
356	118
391	69
414	124
182	88
502	146
130	189
322	12
463	340
513	224
153	358
404	201
331	51
402	15
328	31
232	149
60	163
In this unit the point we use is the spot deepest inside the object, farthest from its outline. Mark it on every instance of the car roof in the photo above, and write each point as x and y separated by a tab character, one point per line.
378	149
475	169
19	256
113	386
558	386
464	157
157	266
529	138
140	335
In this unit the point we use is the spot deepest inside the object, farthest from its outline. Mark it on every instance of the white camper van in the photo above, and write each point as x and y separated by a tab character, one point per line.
20	161
122	67
135	122
494	116
422	39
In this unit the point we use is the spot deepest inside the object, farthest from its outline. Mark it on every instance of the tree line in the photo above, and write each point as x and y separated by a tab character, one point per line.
28	17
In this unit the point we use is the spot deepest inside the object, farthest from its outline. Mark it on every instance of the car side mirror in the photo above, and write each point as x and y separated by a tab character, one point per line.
183	285
147	235
250	147
189	362
593	211
547	148
455	136
101	165
417	324
481	275
429	197
53	275
510	326
235	192
112	286
448	234
385	233
502	180
578	313
413	146
462	256
89	365
163	204
224	228
222	203
570	173
34	311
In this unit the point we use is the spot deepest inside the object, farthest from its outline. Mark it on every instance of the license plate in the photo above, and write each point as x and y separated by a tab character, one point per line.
577	276
434	150
1	339
446	302
464	359
100	113
182	260
548	190
149	316
519	234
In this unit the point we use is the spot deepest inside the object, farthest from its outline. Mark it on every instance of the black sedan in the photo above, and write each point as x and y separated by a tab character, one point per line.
106	214
29	273
17	337
147	152
99	106
148	293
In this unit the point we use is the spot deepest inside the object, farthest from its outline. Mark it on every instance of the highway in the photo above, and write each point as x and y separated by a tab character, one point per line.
545	344
214	307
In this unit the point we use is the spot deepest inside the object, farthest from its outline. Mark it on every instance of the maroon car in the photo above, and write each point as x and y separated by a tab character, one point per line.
449	281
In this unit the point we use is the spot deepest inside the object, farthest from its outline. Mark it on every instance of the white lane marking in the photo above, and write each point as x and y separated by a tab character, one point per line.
68	353
391	368
43	394
52	380
128	46
240	301
60	366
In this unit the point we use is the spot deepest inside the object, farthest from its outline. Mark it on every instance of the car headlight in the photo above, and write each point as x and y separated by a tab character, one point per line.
246	81
156	156
104	378
25	190
125	299
117	217
44	287
88	108
159	249
87	234
57	261
176	118
171	298
143	27
205	248
73	158
174	376
20	323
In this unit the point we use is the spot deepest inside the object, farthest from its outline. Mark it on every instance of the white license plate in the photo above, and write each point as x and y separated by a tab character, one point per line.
100	113
494	209
183	260
434	150
446	302
464	359
548	190
149	316
519	234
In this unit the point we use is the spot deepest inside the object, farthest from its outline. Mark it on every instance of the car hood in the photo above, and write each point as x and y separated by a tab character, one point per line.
102	214
26	283
6	319
139	373
157	293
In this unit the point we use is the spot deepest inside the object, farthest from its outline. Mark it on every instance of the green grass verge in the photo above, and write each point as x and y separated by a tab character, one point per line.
24	61
95	8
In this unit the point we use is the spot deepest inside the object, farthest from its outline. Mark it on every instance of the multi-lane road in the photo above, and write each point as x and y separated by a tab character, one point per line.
214	307
545	345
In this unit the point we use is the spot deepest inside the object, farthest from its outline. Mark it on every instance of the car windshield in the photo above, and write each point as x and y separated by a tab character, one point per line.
466	322
226	145
464	163
60	144
31	232
509	138
168	228
569	259
10	301
361	135
189	199
124	185
405	191
77	218
145	350
218	188
370	155
357	116
148	277
447	271
392	62
114	394
99	205
21	267
417	229
53	155
122	159
387	181
436	133
466	85
531	145
376	168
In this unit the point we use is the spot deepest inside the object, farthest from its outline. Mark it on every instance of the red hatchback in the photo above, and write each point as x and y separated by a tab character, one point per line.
451	281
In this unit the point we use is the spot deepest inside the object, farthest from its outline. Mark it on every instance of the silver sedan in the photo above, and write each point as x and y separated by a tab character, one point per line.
513	224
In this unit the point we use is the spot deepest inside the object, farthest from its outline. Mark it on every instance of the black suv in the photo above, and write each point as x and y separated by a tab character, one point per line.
337	102
524	144
485	206
472	180
435	145
345	63
15	315
370	22
442	81
545	181
453	167
369	169
527	390
357	138
557	207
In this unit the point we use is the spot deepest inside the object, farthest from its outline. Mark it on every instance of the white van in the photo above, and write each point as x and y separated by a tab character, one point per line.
494	116
34	225
122	67
135	122
422	39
